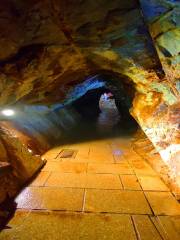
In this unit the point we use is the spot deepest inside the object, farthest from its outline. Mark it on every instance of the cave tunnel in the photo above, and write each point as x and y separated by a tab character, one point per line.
105	110
90	141
99	107
89	120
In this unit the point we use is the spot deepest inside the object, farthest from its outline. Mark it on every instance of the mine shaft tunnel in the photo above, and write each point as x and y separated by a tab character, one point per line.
89	120
106	109
97	108
84	155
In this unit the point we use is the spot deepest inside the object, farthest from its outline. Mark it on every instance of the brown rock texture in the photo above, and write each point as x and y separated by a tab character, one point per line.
59	43
23	162
22	166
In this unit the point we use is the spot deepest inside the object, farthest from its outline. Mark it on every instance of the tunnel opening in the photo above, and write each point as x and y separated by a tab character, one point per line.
105	109
109	115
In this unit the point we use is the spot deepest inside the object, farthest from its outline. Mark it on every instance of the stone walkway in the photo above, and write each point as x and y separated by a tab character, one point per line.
104	191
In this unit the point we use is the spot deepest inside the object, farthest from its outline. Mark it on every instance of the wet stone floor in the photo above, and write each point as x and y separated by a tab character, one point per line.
104	190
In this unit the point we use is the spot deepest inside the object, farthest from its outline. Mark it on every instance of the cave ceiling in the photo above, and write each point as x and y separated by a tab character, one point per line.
49	46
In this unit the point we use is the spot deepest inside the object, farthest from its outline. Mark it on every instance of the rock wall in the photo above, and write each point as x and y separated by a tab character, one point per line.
3	152
161	122
162	18
17	166
23	162
59	43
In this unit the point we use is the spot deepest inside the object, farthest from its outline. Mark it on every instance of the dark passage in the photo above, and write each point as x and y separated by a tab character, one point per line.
103	114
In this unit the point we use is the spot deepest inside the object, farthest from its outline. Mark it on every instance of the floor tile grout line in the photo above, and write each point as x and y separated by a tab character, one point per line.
102	173
58	154
90	212
139	182
162	227
145	196
132	167
88	152
84	200
157	173
91	188
114	158
90	173
135	228
47	179
156	228
123	188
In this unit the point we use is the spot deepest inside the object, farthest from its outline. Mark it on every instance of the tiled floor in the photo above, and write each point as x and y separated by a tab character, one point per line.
106	192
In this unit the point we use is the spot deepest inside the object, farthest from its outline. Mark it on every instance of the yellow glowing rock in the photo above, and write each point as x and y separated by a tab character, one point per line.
108	54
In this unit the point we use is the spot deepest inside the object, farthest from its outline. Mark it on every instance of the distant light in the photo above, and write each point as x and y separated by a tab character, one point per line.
29	150
117	152
8	112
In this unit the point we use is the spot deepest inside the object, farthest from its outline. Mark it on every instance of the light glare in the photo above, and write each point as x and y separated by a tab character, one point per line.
8	112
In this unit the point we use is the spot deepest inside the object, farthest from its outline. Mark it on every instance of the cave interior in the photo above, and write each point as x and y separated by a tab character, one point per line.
90	119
